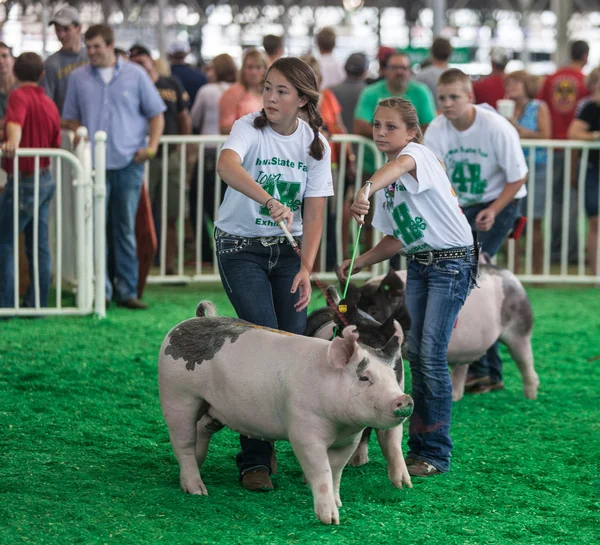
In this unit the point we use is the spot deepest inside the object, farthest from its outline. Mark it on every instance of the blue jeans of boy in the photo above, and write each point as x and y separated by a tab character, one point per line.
434	296
123	190
25	223
257	274
490	365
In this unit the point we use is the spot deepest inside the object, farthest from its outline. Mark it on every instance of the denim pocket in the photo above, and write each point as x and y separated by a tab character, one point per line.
230	245
451	268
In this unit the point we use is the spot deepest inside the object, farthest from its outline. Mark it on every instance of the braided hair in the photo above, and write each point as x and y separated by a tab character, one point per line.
302	77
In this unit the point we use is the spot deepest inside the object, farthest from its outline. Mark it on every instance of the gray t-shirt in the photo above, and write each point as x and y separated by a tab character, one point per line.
58	69
429	77
347	94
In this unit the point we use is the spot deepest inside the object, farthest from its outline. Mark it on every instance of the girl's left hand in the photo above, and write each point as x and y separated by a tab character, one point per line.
302	281
360	206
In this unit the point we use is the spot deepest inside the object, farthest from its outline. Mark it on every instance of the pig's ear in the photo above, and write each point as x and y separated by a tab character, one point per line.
333	294
342	349
393	345
348	317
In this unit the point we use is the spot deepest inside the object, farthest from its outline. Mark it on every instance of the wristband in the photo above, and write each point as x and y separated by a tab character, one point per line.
151	153
268	201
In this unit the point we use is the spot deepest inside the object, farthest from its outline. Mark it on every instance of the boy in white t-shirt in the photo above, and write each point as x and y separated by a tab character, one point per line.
487	168
419	213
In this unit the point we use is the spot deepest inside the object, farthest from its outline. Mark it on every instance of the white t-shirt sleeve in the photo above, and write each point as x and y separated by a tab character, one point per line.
382	221
509	152
319	182
433	139
240	137
426	163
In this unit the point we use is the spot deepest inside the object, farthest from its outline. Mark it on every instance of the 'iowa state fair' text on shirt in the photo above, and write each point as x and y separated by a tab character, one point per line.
283	167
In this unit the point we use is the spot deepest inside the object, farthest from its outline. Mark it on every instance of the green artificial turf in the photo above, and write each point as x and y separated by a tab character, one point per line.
85	455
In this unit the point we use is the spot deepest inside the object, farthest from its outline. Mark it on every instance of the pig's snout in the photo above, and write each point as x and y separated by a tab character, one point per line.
403	406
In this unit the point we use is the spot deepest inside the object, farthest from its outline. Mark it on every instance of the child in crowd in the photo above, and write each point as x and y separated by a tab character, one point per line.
32	121
486	165
419	214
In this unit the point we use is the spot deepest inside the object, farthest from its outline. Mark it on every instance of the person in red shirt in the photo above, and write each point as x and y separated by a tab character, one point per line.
562	91
32	121
491	88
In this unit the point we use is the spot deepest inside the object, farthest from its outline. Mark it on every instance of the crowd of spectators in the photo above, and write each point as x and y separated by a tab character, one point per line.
136	98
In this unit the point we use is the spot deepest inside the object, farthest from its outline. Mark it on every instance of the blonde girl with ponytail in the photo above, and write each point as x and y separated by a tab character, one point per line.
278	168
418	212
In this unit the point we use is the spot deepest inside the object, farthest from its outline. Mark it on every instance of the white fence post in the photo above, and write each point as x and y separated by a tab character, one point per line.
100	223
80	234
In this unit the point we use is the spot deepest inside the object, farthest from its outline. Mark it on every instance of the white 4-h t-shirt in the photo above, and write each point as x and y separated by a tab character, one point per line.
481	160
283	167
423	215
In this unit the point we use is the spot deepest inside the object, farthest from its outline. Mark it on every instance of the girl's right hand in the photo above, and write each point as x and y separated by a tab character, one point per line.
280	212
344	268
360	206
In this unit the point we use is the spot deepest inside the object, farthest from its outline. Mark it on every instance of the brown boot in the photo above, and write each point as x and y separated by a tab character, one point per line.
420	468
133	304
257	480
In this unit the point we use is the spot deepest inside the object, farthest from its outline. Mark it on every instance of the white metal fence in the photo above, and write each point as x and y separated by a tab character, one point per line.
89	212
564	272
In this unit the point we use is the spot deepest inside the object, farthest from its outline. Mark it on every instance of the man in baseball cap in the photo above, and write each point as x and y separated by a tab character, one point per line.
191	78
59	66
491	88
65	16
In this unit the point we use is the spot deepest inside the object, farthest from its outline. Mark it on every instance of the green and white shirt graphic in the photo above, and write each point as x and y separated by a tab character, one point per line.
285	170
480	160
424	214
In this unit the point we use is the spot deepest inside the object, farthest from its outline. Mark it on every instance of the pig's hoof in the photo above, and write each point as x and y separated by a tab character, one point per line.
400	479
338	501
359	458
531	390
328	514
196	488
456	397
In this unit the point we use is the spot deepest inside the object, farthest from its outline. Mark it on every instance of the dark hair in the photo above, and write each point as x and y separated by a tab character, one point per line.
579	50
302	78
225	68
407	112
441	49
272	43
105	32
4	46
326	39
28	67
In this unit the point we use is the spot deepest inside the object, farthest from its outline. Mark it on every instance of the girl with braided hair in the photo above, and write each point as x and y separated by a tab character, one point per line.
278	168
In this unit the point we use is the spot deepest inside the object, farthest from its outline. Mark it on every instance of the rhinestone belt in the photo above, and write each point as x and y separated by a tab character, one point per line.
428	258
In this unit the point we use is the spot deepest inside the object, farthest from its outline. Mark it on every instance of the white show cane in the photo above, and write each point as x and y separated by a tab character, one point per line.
288	235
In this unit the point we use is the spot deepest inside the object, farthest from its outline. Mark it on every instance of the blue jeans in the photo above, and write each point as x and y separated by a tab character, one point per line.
123	190
434	296
490	365
25	223
257	274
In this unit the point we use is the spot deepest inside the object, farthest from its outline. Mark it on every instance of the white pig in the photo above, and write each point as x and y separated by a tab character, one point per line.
498	310
318	394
